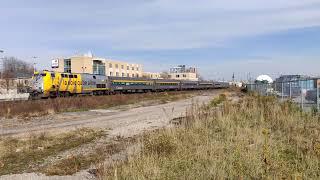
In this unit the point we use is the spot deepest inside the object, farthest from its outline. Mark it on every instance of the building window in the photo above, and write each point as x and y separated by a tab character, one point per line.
177	76
117	66
132	68
137	75
98	67
67	65
128	75
117	74
122	66
110	65
137	68
128	68
132	75
184	75
111	74
122	74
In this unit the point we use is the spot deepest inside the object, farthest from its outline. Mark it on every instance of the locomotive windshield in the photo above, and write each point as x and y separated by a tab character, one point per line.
37	76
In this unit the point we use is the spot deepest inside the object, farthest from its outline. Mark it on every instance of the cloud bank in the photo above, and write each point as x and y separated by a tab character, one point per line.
61	27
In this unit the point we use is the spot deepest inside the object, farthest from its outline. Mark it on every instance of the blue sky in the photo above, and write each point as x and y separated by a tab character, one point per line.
219	37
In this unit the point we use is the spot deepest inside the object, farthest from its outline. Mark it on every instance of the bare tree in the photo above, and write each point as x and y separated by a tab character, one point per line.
15	68
165	75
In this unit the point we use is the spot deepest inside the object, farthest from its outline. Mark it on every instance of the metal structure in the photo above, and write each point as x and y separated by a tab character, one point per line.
304	92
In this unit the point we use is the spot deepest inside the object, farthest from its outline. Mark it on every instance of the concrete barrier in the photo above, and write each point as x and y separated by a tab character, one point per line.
14	97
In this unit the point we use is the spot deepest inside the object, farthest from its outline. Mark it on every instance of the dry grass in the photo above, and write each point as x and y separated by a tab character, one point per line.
255	138
74	164
17	155
37	108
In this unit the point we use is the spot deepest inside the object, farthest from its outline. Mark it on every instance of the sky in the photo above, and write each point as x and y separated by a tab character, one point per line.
247	37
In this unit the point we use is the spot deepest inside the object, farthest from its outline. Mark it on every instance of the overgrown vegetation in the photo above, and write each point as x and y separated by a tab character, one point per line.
18	155
75	163
37	108
255	138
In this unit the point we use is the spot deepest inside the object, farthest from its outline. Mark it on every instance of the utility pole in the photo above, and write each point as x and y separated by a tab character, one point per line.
1	64
318	102
34	63
233	83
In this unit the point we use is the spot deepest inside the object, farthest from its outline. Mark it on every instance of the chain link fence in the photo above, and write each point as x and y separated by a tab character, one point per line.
303	92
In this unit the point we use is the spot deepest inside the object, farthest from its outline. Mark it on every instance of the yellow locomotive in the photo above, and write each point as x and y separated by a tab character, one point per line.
53	84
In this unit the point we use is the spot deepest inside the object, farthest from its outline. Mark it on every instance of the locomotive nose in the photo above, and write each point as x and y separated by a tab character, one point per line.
37	85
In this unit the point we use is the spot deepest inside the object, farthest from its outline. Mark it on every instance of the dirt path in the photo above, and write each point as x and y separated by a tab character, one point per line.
121	122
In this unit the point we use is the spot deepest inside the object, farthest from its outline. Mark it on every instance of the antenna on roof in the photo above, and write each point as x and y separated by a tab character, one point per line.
89	54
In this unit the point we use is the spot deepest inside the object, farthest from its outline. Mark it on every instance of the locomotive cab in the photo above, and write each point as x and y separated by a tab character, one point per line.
39	84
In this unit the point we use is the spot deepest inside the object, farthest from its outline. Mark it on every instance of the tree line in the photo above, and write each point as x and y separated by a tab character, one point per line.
13	67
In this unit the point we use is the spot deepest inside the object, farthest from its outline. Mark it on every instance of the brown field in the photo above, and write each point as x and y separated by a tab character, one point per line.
38	108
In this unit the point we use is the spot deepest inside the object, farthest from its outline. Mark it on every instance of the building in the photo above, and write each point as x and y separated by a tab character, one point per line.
94	65
151	75
292	85
264	79
182	73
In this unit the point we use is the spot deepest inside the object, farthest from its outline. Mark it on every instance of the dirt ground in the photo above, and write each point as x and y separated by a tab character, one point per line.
122	121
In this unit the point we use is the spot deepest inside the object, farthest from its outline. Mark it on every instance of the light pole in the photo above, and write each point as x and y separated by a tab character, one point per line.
1	64
34	63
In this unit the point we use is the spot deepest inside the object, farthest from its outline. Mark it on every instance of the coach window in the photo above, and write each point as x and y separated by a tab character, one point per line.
70	76
75	76
53	75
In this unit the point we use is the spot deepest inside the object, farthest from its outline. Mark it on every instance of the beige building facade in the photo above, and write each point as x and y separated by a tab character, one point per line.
95	65
182	72
123	69
184	76
151	75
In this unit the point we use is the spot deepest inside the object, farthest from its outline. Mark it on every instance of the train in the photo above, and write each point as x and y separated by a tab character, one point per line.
48	84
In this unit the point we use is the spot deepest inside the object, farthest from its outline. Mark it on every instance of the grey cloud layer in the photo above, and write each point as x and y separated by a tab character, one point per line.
159	24
139	25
